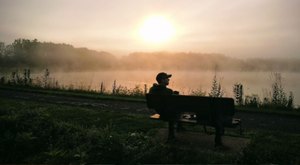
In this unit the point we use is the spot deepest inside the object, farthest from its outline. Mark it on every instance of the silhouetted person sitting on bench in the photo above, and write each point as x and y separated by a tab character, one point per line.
172	118
163	79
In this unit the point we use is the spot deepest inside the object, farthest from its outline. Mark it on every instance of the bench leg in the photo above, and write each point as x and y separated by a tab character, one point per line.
241	130
179	127
204	127
219	132
218	137
171	130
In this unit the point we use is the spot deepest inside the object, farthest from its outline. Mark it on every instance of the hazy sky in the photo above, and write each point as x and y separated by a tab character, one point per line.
238	28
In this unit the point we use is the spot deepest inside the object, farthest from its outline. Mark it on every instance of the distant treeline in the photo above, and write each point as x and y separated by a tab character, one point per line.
24	53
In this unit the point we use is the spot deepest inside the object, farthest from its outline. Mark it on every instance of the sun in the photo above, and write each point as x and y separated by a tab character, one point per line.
156	29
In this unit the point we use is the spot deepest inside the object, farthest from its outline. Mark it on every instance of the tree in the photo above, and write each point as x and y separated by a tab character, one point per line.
2	49
238	93
279	98
216	89
290	103
46	78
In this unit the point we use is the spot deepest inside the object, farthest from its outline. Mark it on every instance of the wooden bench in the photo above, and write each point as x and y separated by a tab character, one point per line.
208	111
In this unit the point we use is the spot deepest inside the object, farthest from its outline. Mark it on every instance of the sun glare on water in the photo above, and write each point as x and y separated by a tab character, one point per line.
156	29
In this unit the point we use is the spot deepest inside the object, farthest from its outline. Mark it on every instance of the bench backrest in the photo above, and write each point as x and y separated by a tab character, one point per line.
206	107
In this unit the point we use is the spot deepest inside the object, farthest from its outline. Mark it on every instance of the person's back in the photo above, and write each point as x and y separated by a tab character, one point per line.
160	89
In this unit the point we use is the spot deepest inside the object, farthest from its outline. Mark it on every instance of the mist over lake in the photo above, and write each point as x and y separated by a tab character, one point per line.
82	68
185	82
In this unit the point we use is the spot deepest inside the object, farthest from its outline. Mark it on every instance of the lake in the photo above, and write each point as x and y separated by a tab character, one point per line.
184	81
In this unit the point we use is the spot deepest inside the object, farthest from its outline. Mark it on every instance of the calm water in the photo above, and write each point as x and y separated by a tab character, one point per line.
184	81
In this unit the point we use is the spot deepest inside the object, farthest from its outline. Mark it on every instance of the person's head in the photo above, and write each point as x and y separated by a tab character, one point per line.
163	78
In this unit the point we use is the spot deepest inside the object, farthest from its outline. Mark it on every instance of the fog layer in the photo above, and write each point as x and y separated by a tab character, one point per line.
24	53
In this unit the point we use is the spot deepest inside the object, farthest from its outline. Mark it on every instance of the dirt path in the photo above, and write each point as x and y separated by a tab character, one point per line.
250	120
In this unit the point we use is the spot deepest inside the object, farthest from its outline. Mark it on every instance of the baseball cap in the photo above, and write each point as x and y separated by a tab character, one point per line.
162	75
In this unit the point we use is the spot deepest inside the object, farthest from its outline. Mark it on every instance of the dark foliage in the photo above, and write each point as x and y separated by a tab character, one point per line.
40	133
24	53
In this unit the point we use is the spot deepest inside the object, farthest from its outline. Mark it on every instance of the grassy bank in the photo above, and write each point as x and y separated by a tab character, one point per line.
72	93
37	133
106	96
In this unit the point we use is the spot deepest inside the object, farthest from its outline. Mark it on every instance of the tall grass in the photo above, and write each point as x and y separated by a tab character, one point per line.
46	81
277	99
